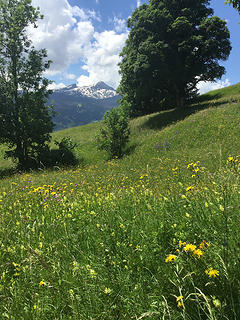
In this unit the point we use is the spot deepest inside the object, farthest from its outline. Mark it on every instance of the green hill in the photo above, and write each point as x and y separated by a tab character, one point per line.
152	235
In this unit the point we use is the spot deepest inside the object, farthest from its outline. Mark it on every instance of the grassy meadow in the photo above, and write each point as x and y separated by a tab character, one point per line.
154	235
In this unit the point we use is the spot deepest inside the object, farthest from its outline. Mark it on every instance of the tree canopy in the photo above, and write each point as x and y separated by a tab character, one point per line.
172	45
25	121
234	3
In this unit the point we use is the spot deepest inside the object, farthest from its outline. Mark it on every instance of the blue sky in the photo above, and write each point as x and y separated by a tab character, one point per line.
84	39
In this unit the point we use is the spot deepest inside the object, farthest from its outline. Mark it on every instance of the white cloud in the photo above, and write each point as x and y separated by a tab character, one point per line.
64	32
120	25
54	86
86	81
68	34
138	3
102	59
70	76
205	87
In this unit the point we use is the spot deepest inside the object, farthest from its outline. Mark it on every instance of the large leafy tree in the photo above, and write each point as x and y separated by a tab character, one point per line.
172	45
234	3
25	120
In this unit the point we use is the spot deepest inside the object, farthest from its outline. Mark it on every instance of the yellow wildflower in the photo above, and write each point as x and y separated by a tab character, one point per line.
180	243
179	301
221	208
198	253
204	244
212	273
190	248
93	273
171	257
216	302
42	283
107	290
71	293
189	165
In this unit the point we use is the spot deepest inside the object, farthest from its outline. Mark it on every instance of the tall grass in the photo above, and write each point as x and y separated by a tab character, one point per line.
154	235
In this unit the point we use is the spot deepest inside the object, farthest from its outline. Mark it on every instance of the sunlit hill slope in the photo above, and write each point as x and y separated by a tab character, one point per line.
152	235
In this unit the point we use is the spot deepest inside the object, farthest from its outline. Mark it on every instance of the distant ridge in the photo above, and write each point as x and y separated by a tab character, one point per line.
98	91
75	106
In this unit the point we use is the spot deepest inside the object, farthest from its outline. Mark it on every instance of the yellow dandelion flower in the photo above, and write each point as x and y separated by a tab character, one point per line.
190	247
42	283
212	273
107	290
204	244
216	303
179	298
180	243
198	253
171	257
221	208
179	301
93	273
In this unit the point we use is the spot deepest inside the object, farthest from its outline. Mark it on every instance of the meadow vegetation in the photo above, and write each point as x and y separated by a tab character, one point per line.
153	235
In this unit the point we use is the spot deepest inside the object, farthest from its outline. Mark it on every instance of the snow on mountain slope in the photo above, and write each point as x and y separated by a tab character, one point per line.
99	91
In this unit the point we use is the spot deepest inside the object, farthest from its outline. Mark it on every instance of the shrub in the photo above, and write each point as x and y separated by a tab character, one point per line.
114	134
65	153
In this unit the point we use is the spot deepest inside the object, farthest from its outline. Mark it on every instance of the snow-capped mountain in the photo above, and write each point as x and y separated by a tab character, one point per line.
76	106
98	91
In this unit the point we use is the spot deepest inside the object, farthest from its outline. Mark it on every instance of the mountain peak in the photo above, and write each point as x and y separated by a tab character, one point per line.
102	85
98	91
71	86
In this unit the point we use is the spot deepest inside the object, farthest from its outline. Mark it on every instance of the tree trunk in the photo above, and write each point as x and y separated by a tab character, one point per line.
179	97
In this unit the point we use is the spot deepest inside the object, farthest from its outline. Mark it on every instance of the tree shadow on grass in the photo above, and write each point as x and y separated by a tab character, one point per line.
165	118
8	172
130	149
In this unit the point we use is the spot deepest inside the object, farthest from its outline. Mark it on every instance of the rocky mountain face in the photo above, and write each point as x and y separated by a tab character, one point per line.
75	106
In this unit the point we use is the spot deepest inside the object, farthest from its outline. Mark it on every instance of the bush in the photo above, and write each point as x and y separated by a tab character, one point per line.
65	153
114	134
